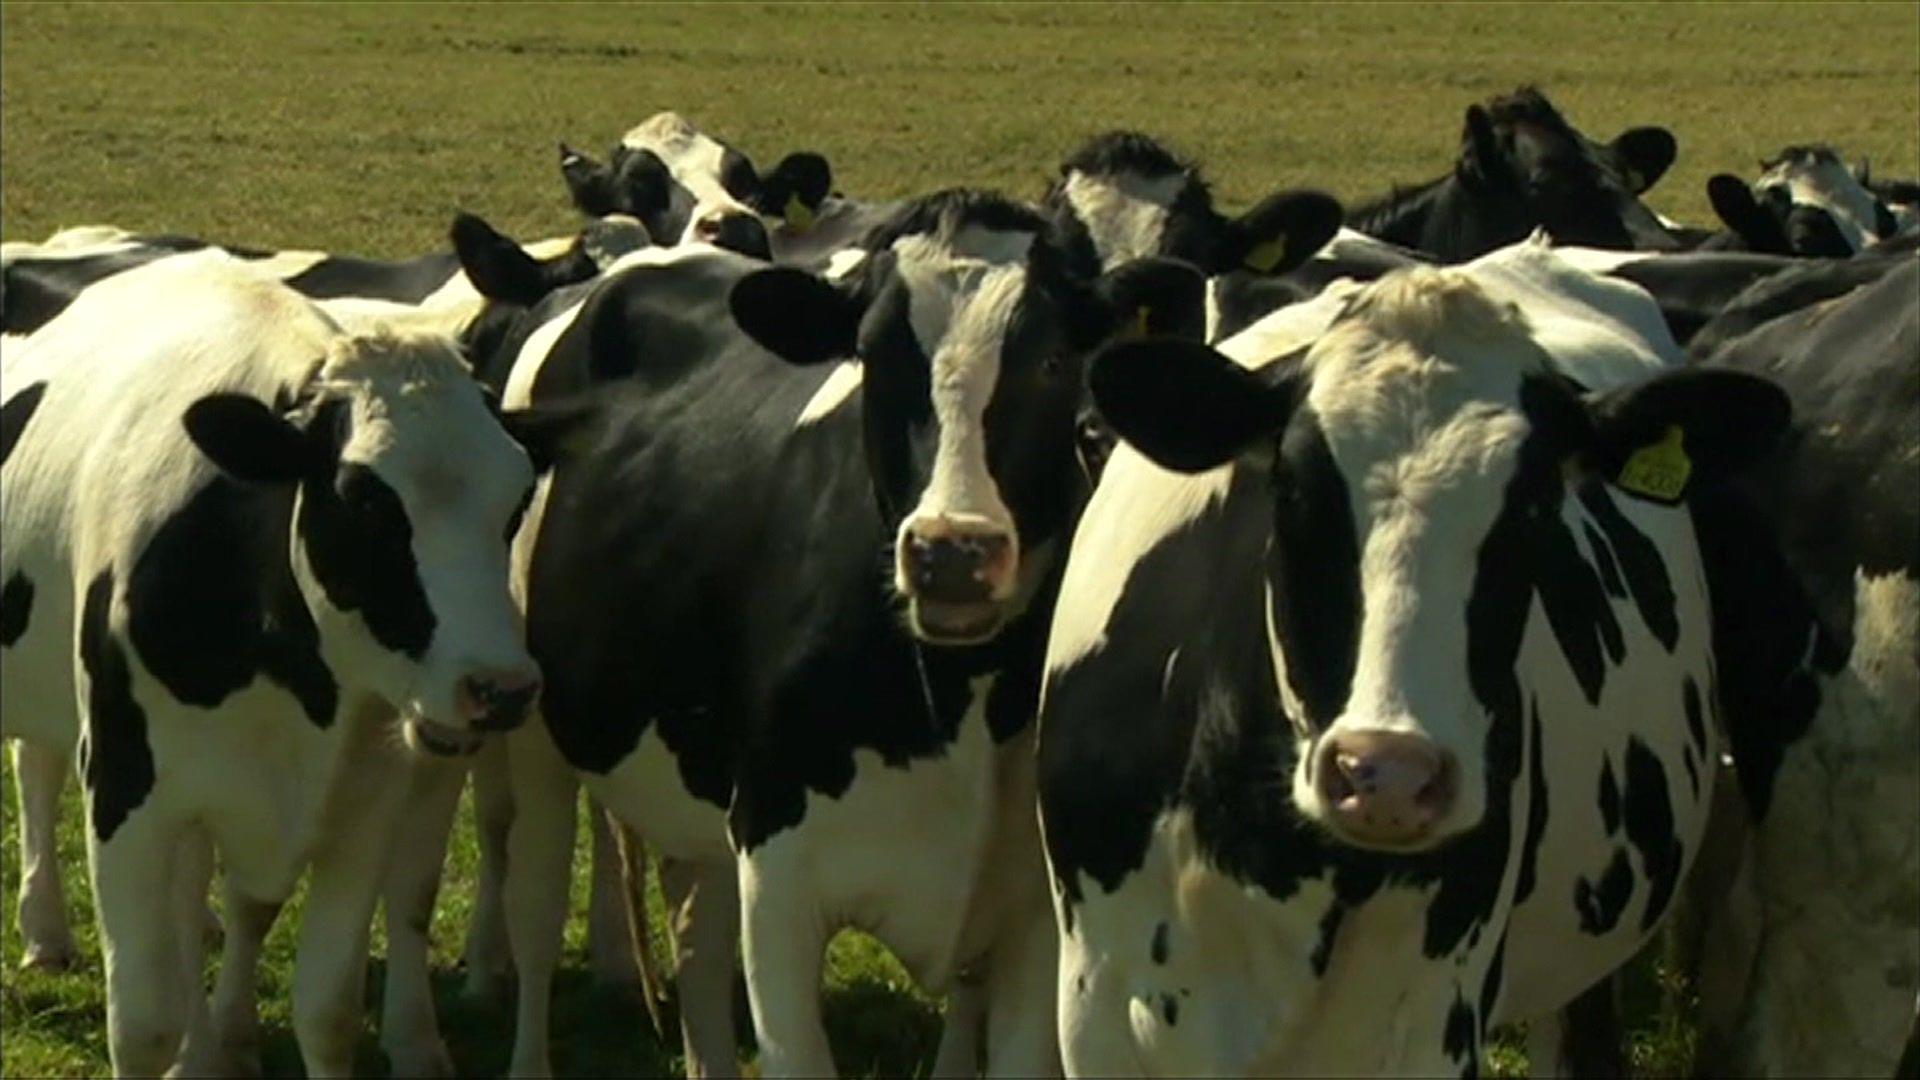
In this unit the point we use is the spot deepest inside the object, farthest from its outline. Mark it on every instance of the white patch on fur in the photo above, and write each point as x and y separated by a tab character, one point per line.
840	384
1831	186
1125	213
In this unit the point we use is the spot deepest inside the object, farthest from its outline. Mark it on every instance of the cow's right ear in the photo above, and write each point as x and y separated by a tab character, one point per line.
1754	224
499	268
801	318
247	440
588	181
1183	404
1282	232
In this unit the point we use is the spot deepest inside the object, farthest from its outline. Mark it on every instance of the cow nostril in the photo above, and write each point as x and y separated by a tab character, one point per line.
1385	787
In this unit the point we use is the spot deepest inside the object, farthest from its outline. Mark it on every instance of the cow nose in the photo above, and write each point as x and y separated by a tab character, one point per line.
958	567
1387	788
498	699
736	231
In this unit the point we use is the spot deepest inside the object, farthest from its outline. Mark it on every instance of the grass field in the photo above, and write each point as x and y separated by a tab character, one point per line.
363	128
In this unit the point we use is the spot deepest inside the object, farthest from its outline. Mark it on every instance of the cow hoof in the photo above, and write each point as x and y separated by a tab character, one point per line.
49	956
431	1059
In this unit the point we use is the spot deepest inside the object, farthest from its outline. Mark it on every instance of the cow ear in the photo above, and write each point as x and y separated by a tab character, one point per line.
590	182
1756	227
247	440
1182	404
1480	158
1282	232
801	318
1685	429
498	267
1151	298
1645	154
799	184
551	434
642	183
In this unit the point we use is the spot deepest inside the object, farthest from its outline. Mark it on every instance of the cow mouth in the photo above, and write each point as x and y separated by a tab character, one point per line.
949	622
439	740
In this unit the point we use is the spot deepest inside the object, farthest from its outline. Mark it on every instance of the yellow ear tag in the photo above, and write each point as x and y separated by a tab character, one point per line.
1264	257
798	214
1658	471
1140	321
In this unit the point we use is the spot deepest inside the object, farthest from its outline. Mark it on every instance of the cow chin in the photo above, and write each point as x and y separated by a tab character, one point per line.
945	622
434	739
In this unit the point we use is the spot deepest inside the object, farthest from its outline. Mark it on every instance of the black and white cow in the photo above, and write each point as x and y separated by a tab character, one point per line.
1522	167
793	594
1812	958
1808	202
1378	706
684	184
238	542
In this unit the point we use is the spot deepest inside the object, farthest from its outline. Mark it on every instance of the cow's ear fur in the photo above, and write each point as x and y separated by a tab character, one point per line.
1645	153
1480	157
802	174
588	181
1151	298
1754	224
247	440
499	268
1725	421
551	434
797	316
1183	405
1282	232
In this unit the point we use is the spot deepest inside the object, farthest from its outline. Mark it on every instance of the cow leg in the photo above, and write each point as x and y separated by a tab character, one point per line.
39	775
329	974
192	877
409	1029
132	879
610	945
959	1053
488	957
784	943
704	903
1022	1036
233	1048
539	858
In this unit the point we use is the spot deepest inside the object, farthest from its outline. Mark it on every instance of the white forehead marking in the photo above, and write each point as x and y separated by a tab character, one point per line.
840	384
1125	213
693	157
1831	186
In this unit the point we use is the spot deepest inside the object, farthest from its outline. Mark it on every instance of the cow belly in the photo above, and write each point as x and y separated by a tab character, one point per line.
646	792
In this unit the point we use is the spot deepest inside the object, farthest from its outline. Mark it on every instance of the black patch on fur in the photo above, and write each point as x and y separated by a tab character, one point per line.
14	416
212	602
1158	950
1609	797
1600	902
1640	562
1693	771
1460	1036
1696	726
1314	568
1650	828
1496	973
1329	930
1576	604
1536	818
16	605
1603	557
360	545
1170	1010
116	762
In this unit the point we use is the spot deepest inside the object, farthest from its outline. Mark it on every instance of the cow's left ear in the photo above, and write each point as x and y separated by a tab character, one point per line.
1151	298
1754	224
1645	154
499	268
797	316
1685	429
247	440
1184	405
552	433
1280	233
795	188
588	181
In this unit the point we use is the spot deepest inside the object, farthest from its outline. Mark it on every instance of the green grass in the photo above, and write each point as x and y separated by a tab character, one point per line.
363	128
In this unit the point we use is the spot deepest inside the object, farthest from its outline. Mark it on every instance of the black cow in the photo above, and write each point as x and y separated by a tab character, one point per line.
1523	167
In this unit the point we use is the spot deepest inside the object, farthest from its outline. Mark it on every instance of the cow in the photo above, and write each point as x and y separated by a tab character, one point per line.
1808	202
1811	956
1522	166
684	184
253	562
792	593
1379	704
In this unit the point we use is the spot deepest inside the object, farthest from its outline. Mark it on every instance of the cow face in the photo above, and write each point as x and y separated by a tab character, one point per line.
1814	178
1136	199
1773	224
971	329
685	185
407	491
1433	484
1522	153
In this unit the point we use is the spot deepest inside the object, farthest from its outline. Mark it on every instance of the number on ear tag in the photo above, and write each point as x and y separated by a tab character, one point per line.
1658	471
1264	257
798	214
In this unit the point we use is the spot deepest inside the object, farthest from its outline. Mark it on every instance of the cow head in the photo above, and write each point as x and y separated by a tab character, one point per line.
1772	223
1433	483
1519	152
970	321
686	185
1813	178
406	492
1136	199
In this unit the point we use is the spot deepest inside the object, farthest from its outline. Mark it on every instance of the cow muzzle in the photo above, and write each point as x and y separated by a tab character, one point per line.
496	699
1388	790
957	578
